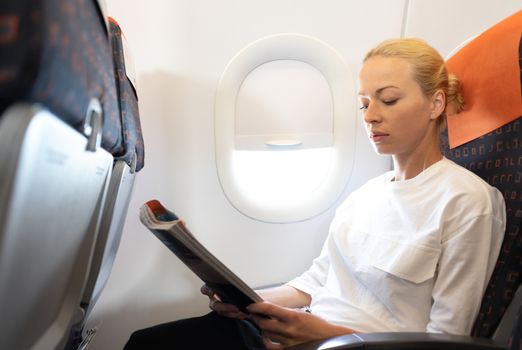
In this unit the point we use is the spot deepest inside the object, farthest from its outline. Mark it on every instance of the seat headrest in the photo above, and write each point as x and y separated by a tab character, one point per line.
489	70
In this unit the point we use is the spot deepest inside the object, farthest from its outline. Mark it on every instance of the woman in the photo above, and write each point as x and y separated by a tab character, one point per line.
411	250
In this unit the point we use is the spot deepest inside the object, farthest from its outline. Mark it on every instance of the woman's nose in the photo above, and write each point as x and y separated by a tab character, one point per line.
372	114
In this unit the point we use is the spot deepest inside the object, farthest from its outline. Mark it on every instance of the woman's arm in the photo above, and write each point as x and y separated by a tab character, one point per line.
283	295
465	266
282	327
286	296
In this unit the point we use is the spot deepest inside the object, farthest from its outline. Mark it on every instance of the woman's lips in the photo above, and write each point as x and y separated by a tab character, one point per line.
378	136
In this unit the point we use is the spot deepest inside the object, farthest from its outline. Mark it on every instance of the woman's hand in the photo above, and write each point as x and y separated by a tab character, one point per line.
223	309
282	327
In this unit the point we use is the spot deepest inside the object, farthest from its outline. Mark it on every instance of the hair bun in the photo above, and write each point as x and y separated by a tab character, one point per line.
454	98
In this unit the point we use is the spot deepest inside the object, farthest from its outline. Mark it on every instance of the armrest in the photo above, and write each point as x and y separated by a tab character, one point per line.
402	341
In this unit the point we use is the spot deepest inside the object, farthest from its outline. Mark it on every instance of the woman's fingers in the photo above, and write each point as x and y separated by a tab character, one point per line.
206	290
265	323
271	345
271	310
220	307
223	309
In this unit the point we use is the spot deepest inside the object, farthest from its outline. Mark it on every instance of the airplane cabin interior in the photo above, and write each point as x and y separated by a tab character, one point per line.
243	118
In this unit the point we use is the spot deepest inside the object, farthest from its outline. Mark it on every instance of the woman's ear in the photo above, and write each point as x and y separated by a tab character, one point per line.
439	104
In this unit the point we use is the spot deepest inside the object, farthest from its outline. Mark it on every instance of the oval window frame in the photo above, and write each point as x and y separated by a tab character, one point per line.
331	64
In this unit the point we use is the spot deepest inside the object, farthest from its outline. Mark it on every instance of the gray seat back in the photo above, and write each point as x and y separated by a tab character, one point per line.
111	228
52	190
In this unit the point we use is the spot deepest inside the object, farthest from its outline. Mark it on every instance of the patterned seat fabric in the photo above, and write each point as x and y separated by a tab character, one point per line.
489	68
515	343
128	102
497	158
57	53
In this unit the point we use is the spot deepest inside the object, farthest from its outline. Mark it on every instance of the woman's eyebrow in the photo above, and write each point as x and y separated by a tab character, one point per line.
379	90
386	87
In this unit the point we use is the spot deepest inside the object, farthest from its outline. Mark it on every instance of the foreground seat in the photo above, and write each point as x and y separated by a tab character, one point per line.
69	151
126	165
52	189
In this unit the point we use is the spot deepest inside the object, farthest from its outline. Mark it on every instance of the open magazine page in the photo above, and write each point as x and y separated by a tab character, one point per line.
174	234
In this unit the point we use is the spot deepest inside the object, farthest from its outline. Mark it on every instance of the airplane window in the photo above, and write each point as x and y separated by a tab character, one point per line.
285	117
281	104
284	124
282	177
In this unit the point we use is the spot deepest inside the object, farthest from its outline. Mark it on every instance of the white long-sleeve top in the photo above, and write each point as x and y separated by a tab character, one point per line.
413	255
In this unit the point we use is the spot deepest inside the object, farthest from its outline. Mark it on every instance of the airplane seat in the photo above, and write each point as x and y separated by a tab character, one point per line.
52	190
126	165
485	138
515	340
66	153
496	158
492	86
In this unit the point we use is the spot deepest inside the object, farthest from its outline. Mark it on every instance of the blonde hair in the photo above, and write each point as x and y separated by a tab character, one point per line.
429	69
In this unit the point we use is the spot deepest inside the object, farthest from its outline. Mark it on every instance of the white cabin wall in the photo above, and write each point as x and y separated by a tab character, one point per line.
445	24
180	48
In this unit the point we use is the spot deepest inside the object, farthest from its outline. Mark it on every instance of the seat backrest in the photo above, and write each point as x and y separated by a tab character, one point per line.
515	342
127	164
57	53
496	156
64	221
113	214
52	189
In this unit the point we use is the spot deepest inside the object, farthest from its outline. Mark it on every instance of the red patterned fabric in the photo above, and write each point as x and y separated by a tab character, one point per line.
128	102
57	53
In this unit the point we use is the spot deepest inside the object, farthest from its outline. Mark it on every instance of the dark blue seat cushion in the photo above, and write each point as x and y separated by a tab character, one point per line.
497	158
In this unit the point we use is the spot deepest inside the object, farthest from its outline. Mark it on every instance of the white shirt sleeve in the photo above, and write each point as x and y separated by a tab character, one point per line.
315	276
467	260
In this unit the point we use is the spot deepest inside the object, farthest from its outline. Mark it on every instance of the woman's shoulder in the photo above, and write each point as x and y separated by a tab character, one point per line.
361	192
466	188
460	178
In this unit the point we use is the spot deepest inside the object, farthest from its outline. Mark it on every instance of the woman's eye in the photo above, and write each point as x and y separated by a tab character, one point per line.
363	108
390	102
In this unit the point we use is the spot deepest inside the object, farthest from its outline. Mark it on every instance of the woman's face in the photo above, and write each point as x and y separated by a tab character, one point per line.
397	115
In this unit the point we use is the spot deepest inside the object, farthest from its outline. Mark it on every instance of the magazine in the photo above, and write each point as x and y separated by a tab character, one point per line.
174	234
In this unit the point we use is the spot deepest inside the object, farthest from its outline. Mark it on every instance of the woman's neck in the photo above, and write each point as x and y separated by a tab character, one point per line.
408	166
